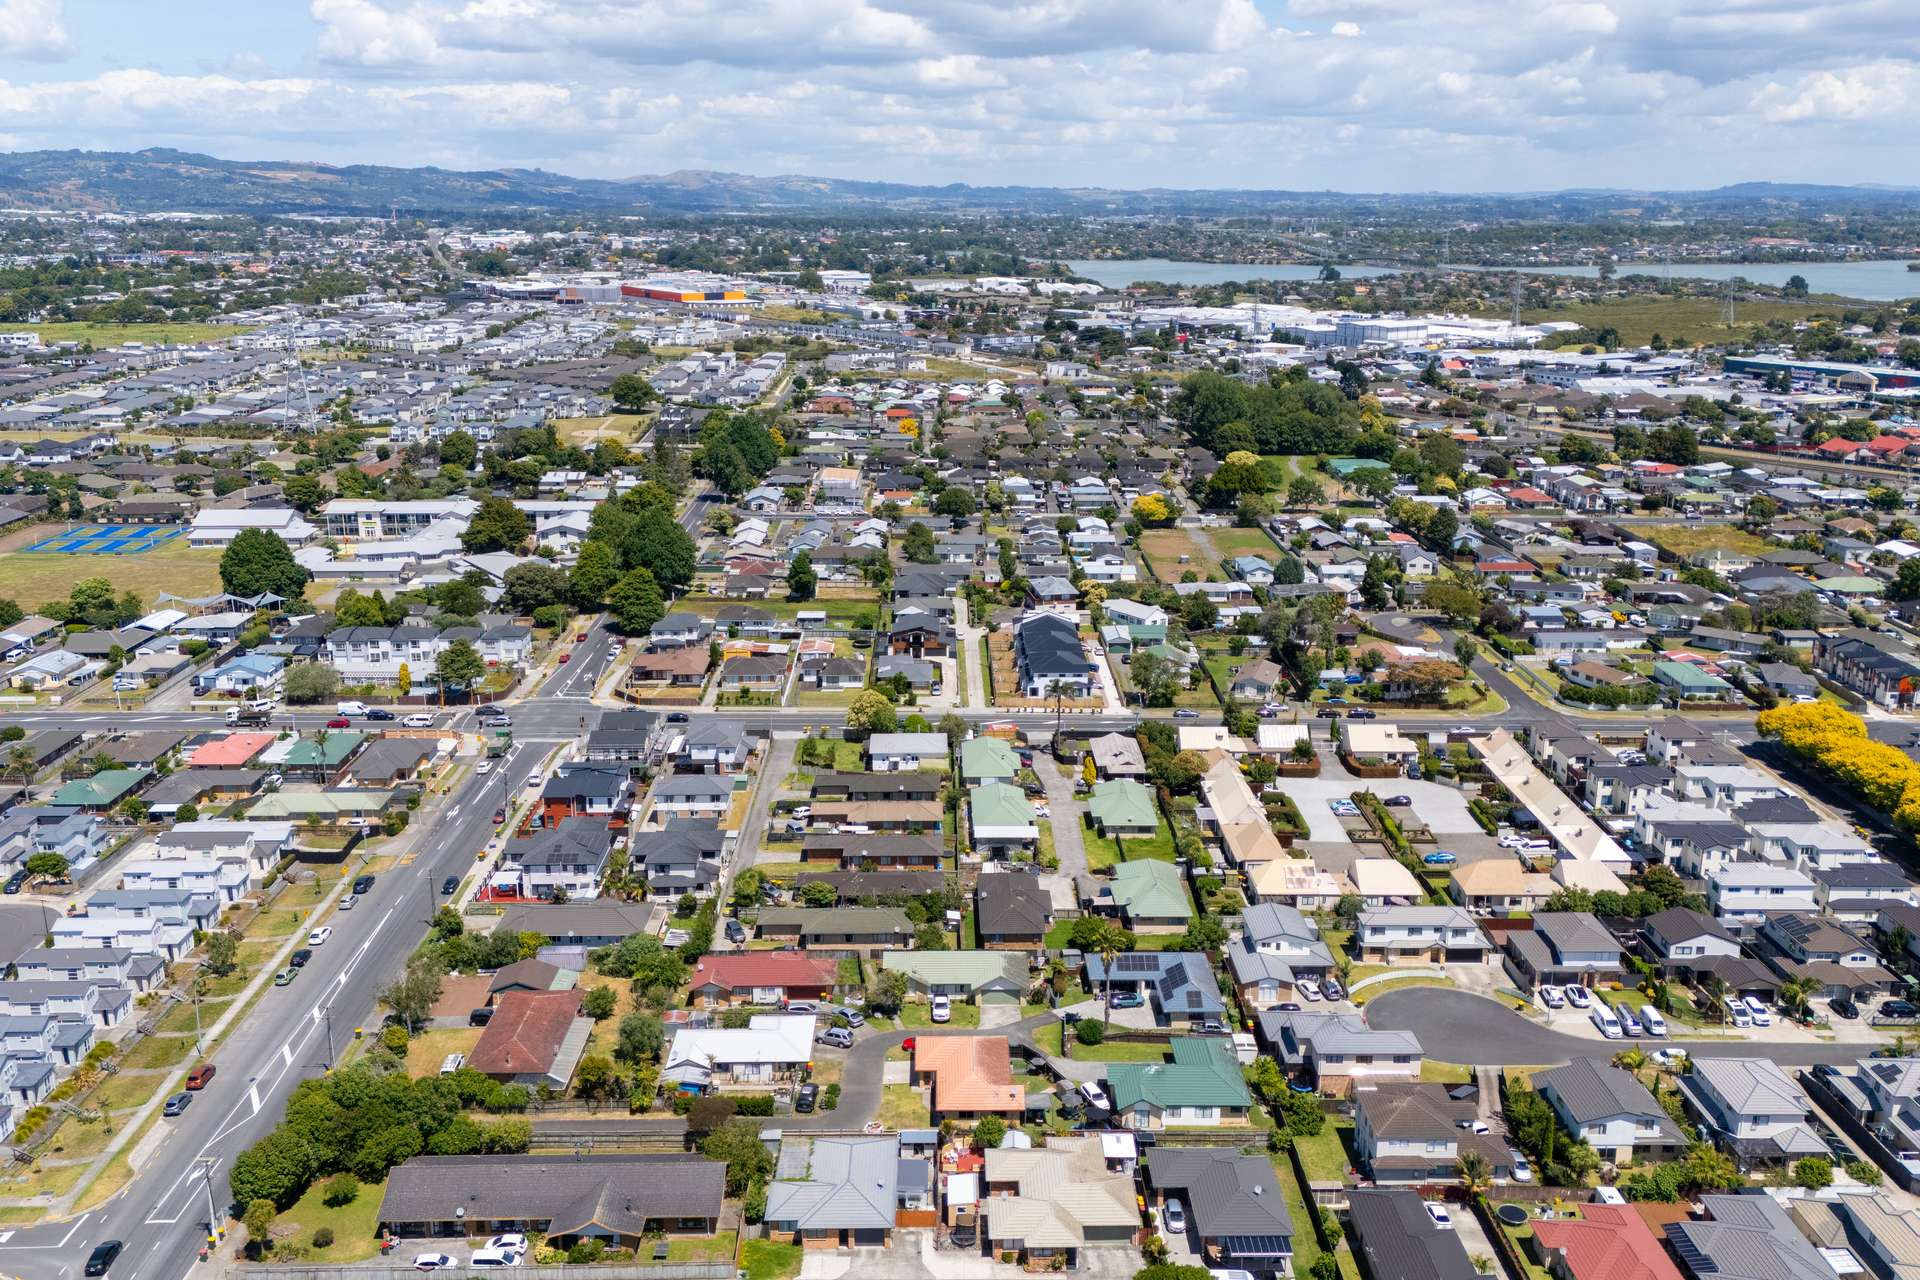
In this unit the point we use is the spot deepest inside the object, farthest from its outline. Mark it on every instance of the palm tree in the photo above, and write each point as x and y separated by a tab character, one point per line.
21	763
1796	993
1632	1060
1476	1175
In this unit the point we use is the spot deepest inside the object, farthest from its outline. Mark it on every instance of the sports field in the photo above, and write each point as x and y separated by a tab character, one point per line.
34	578
107	539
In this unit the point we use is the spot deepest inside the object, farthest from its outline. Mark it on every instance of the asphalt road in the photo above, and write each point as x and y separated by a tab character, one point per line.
1458	1026
284	1038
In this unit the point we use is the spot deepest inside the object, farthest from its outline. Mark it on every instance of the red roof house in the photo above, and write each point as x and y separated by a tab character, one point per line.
762	978
534	1038
1608	1242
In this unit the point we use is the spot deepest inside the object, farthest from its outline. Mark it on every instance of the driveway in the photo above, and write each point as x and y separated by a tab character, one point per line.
1067	828
1457	1026
1442	810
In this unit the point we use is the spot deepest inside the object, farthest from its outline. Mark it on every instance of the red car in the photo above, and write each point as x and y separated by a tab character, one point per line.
564	657
339	722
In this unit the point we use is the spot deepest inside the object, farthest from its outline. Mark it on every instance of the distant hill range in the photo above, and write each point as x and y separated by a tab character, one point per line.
159	179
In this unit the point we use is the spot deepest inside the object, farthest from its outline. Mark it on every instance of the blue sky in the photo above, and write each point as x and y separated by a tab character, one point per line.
1346	94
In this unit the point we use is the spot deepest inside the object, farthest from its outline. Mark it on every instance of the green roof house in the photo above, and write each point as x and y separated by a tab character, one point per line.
1201	1086
324	757
1149	896
964	974
987	760
103	790
1121	806
1345	468
1690	683
334	807
1003	821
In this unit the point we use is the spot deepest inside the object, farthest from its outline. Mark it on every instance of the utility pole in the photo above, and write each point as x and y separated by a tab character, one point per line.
326	1013
216	1231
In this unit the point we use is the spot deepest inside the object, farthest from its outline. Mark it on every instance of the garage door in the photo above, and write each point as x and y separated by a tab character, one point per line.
999	998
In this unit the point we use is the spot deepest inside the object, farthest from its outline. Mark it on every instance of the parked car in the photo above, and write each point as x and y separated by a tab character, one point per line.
735	932
176	1104
1438	1212
1843	1007
1757	1010
495	1258
1473	1124
1331	988
480	1017
512	1240
200	1077
1126	1000
285	977
318	938
1551	997
15	882
1629	1025
452	1063
1737	1012
942	1009
1578	996
1522	1171
1397	802
1095	1095
1441	858
806	1098
838	1037
431	1261
1308	987
1603	1018
1176	1217
1650	1019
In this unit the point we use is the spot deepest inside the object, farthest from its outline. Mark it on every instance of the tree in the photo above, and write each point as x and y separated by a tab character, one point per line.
498	525
1476	1175
888	991
46	866
1813	1173
276	1169
988	1131
635	601
599	1003
223	952
458	449
1305	491
631	393
1442	529
311	682
594	574
818	893
640	1038
411	996
532	586
459	666
801	580
955	501
258	562
658	543
258	1220
1152	510
1375	590
737	1144
918	545
870	710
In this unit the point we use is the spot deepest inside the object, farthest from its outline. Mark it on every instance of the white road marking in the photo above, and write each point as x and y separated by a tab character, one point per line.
5	1236
253	1098
286	1052
454	812
76	1226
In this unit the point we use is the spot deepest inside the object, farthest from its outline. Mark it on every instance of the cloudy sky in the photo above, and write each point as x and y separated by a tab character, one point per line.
1384	95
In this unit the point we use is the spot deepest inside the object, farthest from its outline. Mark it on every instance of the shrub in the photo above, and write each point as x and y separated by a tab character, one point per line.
830	1100
586	1249
323	1238
1090	1032
342	1188
753	1104
394	1039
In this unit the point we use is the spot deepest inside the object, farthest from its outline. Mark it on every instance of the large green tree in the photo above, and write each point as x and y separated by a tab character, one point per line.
459	666
497	526
594	574
636	602
259	561
801	579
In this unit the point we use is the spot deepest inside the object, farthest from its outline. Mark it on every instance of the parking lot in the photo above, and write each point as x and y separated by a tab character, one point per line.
1440	809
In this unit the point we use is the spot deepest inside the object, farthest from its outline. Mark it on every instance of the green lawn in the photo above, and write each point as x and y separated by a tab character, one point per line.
919	1014
159	1051
1157	847
1048	1038
705	1249
1324	1156
1690	539
1102	851
1243	542
1367	993
769	1260
353	1223
902	1107
41	577
1680	320
112	335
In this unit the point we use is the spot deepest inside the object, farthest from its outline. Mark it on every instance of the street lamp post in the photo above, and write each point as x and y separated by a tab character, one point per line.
215	1230
326	1013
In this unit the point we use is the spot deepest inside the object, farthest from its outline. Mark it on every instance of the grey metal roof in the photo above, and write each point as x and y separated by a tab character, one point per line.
1746	1238
1592	1091
1393	1233
850	1183
1227	1193
618	1192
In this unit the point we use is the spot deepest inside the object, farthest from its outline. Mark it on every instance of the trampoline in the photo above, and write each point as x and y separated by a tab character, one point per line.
107	539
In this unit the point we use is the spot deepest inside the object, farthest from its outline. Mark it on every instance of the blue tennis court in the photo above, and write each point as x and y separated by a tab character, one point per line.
108	539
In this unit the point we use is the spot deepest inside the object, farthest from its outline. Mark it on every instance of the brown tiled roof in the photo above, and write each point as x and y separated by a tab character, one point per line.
525	1034
970	1073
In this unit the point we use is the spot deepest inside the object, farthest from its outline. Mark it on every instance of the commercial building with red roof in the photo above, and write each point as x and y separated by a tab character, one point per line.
1608	1242
767	978
230	752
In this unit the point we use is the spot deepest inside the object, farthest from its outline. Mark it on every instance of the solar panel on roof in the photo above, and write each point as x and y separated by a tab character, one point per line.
1168	984
1134	962
1259	1246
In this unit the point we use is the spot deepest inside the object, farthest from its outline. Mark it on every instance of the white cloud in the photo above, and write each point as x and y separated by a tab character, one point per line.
33	29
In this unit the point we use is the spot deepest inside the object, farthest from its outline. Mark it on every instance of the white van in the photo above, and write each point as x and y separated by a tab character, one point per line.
1737	1011
350	708
495	1258
1650	1019
1602	1017
452	1063
1758	1012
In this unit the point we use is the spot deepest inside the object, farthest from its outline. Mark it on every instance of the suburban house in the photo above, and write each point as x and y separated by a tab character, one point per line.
685	856
1753	1110
1123	807
1202	1085
848	1196
1049	657
566	861
870	928
1328	1048
1412	1133
984	759
1012	911
1234	1203
1563	947
1606	1242
773	1048
1049	1202
692	795
534	1038
889	751
1147	895
1744	1238
1611	1109
1002	820
619	1199
1397	1239
1179	986
967	1077
1429	935
763	978
1275	948
1680	935
961	975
